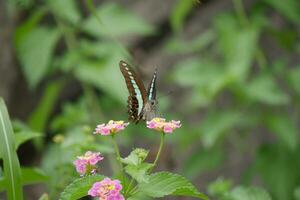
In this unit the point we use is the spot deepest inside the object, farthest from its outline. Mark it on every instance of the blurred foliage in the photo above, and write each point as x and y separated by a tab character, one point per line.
234	89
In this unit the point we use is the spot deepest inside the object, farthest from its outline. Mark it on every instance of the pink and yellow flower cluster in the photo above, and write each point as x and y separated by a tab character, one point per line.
107	189
160	124
110	128
86	164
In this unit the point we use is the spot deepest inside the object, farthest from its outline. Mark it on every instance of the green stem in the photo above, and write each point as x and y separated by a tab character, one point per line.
129	187
117	151
162	137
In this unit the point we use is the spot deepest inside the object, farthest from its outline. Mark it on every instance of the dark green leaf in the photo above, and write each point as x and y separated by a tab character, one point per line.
284	128
164	183
79	188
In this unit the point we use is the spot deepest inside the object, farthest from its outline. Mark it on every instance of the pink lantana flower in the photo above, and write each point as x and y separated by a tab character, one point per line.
110	128
86	164
107	189
160	124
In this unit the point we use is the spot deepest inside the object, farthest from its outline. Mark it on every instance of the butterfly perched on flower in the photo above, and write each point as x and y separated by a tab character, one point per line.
142	103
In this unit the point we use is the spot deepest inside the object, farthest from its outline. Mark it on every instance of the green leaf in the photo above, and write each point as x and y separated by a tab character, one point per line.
116	21
139	172
206	78
217	124
178	45
99	73
28	176
164	183
66	9
201	161
219	187
179	13
297	193
276	159
40	115
136	157
26	27
139	196
79	188
293	78
237	45
288	8
24	136
284	128
248	193
32	176
35	50
265	90
11	165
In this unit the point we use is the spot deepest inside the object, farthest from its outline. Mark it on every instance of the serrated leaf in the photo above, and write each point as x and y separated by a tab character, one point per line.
66	9
35	50
284	128
11	165
248	193
79	188
139	172
164	183
136	157
116	21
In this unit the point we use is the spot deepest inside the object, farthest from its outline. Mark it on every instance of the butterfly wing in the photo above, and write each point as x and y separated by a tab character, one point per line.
151	92
137	92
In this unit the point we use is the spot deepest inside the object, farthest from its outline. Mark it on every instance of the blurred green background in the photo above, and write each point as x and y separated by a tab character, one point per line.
232	67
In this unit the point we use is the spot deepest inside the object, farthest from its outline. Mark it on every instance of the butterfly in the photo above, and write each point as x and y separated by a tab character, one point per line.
142	104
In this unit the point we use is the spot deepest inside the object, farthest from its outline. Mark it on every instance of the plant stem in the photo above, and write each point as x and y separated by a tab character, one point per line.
129	187
117	151
162	137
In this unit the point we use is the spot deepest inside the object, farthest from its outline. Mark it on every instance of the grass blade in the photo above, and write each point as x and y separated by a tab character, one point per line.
11	165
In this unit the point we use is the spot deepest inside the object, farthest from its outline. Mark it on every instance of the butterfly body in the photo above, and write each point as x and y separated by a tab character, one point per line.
142	104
